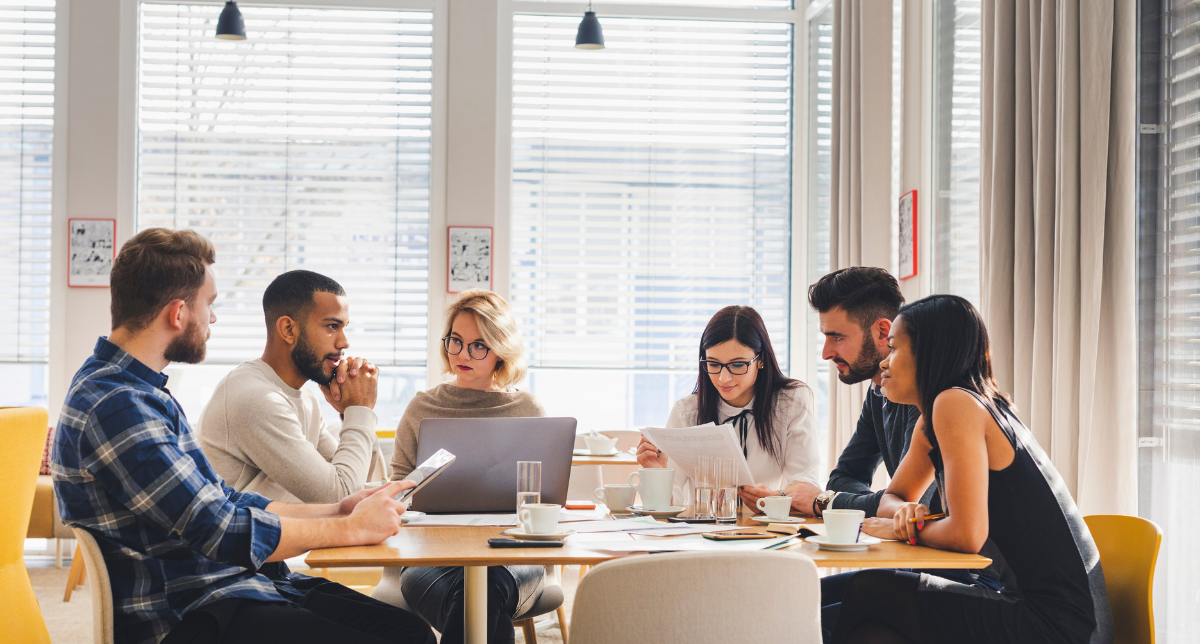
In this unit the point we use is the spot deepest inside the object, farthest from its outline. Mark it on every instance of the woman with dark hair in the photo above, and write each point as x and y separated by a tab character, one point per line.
995	482
740	383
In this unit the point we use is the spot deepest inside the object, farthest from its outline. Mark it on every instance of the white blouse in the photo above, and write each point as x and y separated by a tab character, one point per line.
795	419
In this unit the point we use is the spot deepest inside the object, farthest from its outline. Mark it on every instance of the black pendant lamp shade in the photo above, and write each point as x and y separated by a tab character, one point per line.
589	35
230	25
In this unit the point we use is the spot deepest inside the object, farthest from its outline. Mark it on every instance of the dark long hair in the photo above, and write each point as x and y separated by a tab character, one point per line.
745	325
951	349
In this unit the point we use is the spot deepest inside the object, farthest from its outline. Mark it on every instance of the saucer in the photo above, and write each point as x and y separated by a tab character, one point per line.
863	542
411	514
657	514
519	533
762	518
587	452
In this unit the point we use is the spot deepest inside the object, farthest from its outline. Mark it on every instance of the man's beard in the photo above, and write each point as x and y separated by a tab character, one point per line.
309	364
189	347
865	367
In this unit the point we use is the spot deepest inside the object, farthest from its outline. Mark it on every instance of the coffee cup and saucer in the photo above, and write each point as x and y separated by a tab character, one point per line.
776	509
539	522
843	532
654	486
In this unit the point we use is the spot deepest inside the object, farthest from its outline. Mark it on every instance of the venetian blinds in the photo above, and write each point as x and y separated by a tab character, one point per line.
305	146
26	131
651	187
958	72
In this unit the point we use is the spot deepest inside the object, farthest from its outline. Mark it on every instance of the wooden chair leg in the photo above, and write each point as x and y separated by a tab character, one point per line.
58	553
583	570
76	576
529	630
562	623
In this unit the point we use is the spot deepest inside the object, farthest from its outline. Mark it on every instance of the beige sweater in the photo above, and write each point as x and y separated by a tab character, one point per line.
451	401
263	436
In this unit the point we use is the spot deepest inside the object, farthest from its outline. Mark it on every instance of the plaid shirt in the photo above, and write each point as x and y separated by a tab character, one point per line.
128	468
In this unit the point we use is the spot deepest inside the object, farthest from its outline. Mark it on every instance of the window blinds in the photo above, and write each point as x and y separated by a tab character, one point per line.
26	132
305	146
958	64
651	187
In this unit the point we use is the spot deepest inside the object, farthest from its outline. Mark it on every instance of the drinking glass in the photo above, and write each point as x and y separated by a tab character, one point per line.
529	484
725	472
702	487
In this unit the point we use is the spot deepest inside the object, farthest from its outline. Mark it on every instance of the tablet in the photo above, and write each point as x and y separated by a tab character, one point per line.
426	472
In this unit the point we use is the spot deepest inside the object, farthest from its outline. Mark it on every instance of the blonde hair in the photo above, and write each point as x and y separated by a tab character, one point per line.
498	327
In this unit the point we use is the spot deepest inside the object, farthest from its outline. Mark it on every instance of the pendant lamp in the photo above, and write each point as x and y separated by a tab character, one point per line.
589	35
230	25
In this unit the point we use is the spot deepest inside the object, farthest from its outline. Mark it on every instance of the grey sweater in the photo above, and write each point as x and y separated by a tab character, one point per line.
451	401
263	436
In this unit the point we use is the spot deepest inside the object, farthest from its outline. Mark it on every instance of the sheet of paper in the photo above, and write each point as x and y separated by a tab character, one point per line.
620	525
685	528
464	519
682	445
599	514
681	544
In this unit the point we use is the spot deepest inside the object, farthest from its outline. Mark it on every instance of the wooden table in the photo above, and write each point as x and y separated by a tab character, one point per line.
467	547
620	458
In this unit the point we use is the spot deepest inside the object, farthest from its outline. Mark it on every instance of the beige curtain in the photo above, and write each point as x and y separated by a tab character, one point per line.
1057	232
861	157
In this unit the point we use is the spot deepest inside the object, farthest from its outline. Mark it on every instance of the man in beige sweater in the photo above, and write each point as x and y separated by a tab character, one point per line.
263	432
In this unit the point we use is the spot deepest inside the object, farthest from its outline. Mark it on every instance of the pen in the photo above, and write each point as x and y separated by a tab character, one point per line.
929	517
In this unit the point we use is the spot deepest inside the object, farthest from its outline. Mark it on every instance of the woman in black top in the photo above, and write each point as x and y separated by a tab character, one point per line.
995	482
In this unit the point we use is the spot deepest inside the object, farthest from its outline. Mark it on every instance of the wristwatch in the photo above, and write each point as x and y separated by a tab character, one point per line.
822	501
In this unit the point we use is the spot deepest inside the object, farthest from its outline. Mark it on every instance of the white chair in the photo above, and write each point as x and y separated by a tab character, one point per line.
549	601
700	598
102	600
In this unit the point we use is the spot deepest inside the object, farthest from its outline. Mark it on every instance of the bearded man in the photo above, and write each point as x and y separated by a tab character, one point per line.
263	431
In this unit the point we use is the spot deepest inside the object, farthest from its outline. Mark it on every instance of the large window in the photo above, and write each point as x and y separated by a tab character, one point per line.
305	146
26	133
651	187
957	75
820	132
1168	292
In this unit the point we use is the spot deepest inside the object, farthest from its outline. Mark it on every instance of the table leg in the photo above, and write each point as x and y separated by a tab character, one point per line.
475	595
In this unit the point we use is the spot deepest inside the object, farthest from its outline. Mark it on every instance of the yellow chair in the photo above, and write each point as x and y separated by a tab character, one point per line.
1128	552
23	436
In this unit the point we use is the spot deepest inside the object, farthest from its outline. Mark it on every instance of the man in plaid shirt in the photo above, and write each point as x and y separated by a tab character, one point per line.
189	559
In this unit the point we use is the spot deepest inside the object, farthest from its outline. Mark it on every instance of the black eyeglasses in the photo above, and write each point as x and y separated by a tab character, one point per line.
739	368
477	350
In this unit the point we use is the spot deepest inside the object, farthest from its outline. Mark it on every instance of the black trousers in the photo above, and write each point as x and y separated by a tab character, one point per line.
436	593
326	612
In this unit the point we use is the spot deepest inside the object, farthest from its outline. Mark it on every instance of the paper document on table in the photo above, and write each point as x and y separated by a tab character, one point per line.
683	444
681	544
464	519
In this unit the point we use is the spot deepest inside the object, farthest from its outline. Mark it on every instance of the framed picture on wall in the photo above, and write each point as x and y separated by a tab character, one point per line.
908	235
469	260
93	247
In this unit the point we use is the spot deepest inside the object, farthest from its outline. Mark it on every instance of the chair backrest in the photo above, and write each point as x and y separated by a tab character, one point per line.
1128	553
23	436
699	598
102	599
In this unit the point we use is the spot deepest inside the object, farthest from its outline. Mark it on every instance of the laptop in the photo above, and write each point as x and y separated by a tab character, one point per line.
483	477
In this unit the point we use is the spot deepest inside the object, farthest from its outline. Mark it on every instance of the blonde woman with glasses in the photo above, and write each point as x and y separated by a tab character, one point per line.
481	348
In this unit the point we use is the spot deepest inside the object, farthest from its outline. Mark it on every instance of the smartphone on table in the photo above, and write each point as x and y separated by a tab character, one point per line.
426	472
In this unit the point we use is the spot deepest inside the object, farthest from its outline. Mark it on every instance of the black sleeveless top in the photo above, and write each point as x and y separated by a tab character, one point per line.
1033	521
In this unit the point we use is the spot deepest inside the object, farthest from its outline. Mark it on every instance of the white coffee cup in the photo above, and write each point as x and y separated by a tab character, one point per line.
843	526
599	443
540	518
617	497
654	485
775	507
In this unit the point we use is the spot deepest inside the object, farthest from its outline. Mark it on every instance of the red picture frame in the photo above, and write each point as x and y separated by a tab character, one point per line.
907	265
86	267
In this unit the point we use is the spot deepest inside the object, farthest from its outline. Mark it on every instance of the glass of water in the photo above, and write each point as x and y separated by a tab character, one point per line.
529	484
724	504
702	487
